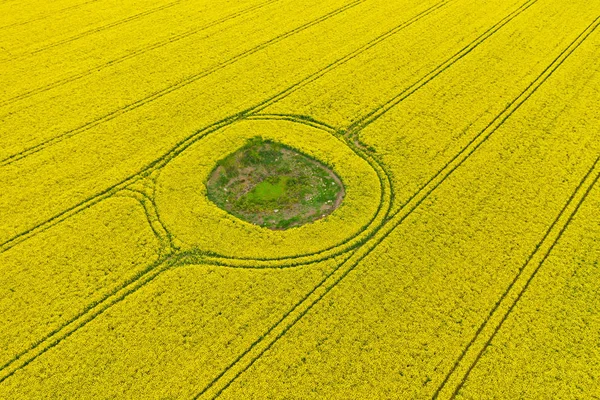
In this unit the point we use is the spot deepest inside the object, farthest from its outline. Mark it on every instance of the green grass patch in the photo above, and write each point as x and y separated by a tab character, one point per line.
274	186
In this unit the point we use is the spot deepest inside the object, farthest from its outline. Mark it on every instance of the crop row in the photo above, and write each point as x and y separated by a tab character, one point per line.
54	70
400	320
95	168
548	345
102	96
51	339
199	338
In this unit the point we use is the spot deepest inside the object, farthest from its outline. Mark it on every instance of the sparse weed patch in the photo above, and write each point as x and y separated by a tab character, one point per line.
274	186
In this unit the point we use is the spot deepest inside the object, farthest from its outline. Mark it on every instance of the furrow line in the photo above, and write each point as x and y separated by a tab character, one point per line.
171	88
101	28
87	315
267	340
482	136
377	112
180	147
48	15
486	332
135	53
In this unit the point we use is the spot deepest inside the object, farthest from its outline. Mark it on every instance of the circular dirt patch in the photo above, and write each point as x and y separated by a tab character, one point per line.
271	185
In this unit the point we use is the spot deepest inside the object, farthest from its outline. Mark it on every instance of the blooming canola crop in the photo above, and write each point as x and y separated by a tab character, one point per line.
460	262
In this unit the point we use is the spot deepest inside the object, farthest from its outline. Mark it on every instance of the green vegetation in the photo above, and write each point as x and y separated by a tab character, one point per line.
274	186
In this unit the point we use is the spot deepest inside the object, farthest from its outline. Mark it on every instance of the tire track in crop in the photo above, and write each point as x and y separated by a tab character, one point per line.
90	313
159	229
146	197
197	256
102	28
90	201
370	117
170	257
275	332
185	143
411	89
481	137
252	113
458	367
256	109
346	245
79	321
458	375
378	111
48	15
329	275
171	88
135	53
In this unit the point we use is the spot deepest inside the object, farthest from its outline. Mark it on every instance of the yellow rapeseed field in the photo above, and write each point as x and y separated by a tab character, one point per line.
463	261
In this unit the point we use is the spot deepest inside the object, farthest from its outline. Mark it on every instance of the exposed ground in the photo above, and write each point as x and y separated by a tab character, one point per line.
274	186
462	263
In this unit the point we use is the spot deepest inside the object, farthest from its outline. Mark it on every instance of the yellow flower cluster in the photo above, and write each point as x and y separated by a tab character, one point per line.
198	224
463	261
